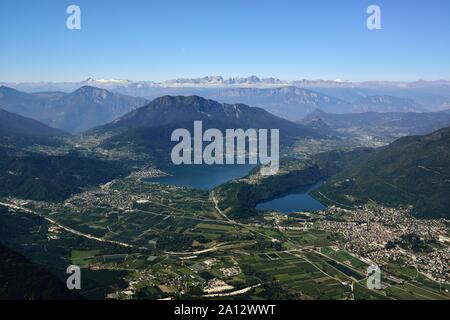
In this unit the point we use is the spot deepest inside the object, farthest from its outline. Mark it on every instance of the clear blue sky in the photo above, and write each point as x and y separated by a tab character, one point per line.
165	39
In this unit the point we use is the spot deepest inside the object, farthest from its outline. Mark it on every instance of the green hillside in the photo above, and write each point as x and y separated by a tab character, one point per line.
147	130
411	171
52	178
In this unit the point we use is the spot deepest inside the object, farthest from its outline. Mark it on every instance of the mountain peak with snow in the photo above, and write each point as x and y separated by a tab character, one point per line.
107	81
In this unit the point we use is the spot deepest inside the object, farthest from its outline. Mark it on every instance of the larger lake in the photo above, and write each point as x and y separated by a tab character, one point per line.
203	177
295	200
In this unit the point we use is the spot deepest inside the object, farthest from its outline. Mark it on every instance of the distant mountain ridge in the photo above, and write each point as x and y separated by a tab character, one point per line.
295	103
74	112
390	125
288	102
220	81
384	103
286	98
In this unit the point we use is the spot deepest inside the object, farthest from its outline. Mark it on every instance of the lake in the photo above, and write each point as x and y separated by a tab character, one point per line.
203	177
297	199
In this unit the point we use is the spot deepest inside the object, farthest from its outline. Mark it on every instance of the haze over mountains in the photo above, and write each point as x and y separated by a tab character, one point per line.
387	104
220	82
388	126
79	106
369	111
20	131
72	112
287	102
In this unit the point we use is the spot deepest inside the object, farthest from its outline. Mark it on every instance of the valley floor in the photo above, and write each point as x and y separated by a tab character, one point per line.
142	240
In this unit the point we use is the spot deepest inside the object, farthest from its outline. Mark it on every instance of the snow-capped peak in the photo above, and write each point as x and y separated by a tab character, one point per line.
107	81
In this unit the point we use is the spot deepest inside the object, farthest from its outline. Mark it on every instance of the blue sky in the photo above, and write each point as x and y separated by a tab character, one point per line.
165	39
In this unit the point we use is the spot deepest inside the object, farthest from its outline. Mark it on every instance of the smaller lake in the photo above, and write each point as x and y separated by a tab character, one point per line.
297	199
203	177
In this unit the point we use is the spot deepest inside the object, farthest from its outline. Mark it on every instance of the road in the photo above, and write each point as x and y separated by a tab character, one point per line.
70	230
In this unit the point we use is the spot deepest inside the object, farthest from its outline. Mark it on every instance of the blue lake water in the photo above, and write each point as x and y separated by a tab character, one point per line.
297	199
206	177
203	177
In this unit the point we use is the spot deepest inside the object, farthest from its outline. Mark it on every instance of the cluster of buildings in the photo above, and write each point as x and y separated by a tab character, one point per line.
216	286
230	272
375	232
147	173
104	198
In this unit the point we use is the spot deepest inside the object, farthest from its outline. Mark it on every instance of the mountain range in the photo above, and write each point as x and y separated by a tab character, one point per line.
88	106
429	95
387	104
288	102
220	81
295	103
73	112
388	126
